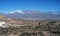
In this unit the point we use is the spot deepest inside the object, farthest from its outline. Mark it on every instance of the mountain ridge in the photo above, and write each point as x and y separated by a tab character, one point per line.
34	14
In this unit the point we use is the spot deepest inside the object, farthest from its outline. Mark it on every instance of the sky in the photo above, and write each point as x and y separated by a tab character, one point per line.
42	5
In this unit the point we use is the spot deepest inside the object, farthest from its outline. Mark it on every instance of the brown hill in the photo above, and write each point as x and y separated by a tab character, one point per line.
17	21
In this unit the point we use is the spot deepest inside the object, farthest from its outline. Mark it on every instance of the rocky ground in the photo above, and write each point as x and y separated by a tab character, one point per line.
30	27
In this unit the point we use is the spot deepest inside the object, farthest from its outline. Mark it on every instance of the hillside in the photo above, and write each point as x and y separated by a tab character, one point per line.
30	27
17	21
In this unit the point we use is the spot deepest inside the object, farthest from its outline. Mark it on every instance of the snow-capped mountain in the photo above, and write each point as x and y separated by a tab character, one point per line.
18	11
21	12
34	14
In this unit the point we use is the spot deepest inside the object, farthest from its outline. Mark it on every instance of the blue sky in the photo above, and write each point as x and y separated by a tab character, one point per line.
42	5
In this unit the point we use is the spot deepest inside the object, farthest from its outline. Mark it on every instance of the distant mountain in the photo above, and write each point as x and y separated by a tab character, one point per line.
33	14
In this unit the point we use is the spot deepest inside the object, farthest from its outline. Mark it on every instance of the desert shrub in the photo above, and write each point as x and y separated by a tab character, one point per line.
25	34
56	29
40	34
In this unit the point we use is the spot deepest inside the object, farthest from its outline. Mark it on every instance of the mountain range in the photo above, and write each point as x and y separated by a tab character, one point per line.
33	14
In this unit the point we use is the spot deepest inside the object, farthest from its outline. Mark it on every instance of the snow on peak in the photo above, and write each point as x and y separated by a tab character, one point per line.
17	11
54	12
20	11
